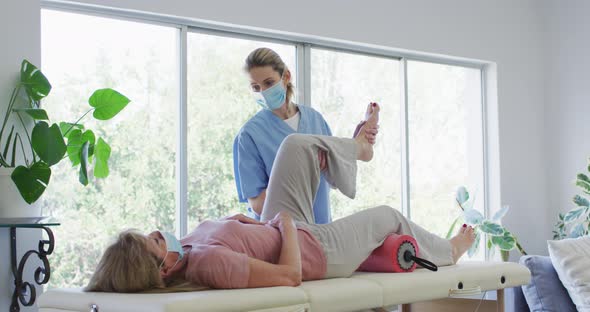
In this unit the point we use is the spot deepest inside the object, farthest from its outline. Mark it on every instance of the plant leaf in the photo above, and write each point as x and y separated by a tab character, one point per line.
31	182
102	153
48	143
74	145
577	231
472	217
35	113
475	247
83	177
462	195
581	201
575	214
36	84
107	103
65	126
491	228
505	242
501	213
452	228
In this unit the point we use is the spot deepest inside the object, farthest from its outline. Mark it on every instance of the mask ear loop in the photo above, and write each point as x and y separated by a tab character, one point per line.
163	260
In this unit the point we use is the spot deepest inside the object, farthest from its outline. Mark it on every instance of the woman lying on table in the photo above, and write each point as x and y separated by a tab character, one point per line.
285	248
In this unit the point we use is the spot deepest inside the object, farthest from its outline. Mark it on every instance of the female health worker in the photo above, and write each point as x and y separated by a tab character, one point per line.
256	144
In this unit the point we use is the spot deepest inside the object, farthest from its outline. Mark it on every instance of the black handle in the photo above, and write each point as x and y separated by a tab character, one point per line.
422	262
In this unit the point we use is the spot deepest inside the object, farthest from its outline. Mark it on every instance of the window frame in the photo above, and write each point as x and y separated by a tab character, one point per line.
304	45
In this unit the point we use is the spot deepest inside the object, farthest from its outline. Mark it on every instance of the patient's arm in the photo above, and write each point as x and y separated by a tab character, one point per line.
288	271
257	202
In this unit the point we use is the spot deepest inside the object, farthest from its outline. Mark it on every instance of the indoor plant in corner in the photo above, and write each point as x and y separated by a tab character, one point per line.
497	235
576	222
42	145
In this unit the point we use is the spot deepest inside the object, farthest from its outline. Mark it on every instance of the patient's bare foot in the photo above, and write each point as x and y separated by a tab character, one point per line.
462	242
365	148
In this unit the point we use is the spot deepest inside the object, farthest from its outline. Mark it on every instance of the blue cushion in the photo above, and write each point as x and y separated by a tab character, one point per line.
545	292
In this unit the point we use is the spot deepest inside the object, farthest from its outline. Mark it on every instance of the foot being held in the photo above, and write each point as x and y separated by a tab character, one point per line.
365	148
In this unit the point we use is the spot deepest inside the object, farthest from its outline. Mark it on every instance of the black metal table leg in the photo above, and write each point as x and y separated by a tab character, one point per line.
42	273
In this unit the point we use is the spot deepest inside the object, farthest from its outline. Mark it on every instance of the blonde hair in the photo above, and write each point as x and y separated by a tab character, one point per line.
266	57
127	266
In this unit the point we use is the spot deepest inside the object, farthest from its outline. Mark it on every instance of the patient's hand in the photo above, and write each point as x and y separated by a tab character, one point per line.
243	219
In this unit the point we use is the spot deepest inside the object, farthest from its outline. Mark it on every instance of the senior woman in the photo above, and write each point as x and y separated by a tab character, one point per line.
240	252
256	144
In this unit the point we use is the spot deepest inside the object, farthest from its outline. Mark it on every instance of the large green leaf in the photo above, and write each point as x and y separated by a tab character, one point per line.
504	242
102	153
48	143
35	113
31	182
83	178
575	214
76	140
472	217
581	201
68	126
107	103
475	247
491	228
36	84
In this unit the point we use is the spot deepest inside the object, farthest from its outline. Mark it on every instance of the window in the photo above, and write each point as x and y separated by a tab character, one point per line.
140	61
431	125
219	103
445	141
342	85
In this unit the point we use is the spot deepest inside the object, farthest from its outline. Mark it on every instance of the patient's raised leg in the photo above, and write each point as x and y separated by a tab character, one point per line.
295	176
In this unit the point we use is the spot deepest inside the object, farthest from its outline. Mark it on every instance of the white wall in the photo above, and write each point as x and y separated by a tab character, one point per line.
506	32
567	91
20	38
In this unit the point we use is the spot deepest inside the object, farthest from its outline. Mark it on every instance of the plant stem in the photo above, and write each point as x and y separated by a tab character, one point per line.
28	137
520	249
17	136
10	105
460	206
72	126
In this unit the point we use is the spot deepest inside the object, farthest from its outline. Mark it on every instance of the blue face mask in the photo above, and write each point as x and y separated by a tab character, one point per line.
273	97
172	245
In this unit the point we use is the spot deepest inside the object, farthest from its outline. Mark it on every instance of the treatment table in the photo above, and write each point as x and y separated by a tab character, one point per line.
421	290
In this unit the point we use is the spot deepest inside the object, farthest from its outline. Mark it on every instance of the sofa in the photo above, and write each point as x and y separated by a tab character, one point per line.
544	293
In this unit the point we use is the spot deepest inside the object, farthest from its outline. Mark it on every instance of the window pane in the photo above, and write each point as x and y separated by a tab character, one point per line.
445	135
82	53
219	103
342	85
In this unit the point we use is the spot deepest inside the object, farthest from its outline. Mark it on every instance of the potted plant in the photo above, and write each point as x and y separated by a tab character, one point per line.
576	222
497	235
43	144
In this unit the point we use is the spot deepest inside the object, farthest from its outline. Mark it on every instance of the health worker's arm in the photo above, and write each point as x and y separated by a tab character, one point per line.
258	202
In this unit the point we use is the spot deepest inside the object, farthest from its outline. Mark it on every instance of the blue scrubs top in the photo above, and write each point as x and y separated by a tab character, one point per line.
255	149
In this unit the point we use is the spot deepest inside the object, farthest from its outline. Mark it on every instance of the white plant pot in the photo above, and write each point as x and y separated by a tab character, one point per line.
12	205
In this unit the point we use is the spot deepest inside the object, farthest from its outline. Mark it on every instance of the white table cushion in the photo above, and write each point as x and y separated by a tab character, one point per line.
361	291
342	294
424	285
204	300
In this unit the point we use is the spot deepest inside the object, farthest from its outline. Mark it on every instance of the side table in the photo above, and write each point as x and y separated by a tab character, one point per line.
42	273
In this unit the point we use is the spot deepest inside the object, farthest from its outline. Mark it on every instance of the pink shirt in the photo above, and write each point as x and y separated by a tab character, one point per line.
220	250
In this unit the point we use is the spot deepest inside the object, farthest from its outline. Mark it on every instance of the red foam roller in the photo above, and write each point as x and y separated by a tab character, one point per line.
389	256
